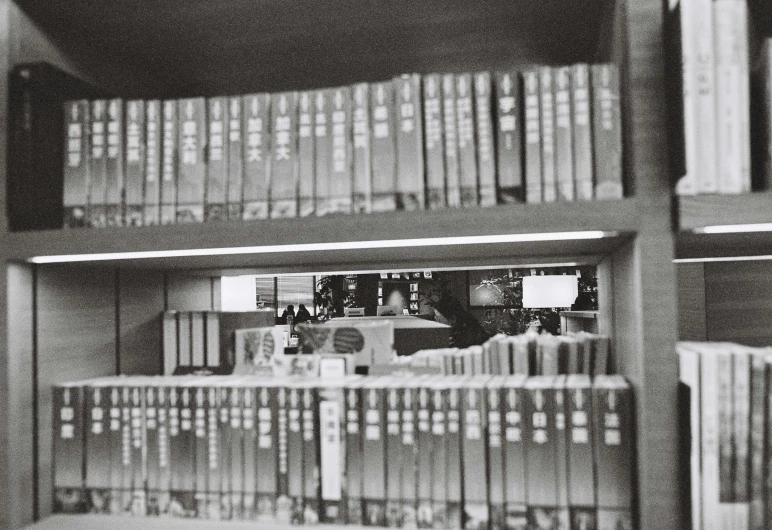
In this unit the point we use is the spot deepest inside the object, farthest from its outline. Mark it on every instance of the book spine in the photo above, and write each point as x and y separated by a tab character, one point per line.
533	136
561	452
212	338
687	184
613	420
98	165
726	448
323	153
700	13
439	454
210	442
153	163
217	160
256	110
68	456
689	375
115	164
169	163
581	132
475	457
127	457
467	148
169	328
758	415
454	467
306	156
341	178
581	467
224	441
564	145
268	451
363	177
183	339
311	457
138	451
509	161
98	445
197	339
540	446
383	161
182	449
235	180
409	140
373	456
201	452
283	189
191	169
742	25
496	456
409	455
393	454
768	443
236	450
115	451
134	136
450	135
548	166
332	453
152	453
250	441
741	396
164	463
709	437
76	167
354	469
486	160
434	145
607	131
424	460
514	452
295	454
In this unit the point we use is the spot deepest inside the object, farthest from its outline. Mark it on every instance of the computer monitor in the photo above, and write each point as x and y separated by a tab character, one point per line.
354	311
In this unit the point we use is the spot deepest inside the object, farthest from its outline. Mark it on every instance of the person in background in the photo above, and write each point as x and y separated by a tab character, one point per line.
289	312
303	314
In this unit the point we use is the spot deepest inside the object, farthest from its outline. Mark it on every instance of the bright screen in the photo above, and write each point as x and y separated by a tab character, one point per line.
550	291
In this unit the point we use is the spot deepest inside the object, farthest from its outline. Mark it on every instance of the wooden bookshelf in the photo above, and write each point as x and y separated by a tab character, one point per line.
60	321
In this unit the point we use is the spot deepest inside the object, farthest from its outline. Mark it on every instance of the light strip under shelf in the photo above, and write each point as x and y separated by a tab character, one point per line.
317	247
723	258
734	229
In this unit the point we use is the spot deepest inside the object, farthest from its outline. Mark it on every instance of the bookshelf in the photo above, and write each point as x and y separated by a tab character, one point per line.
77	320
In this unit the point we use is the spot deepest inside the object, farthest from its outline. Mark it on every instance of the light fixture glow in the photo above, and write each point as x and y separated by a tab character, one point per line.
316	247
734	229
723	258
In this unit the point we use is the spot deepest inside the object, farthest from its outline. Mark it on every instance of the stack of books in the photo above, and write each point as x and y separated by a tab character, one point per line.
428	451
414	142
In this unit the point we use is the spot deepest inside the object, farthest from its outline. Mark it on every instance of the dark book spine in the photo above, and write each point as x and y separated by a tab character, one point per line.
513	399
98	445
561	452
134	135
424	476
283	502
76	167
439	422
236	449
213	453
373	456
235	180
450	136
533	138
98	165
434	145
115	451
725	435
564	147
465	132
741	398
409	461
153	163
306	160
191	168
496	477
164	465
580	437
267	452
613	420
362	168
283	189
475	456
547	115
354	470
201	455
310	449
409	138
332	453
182	440
217	160
540	445
768	444
152	455
68	455
224	439
256	109
295	454
383	143
169	163
486	161
509	158
607	131
341	178
758	418
138	451
323	150
393	456
127	457
453	470
582	132
251	440
115	164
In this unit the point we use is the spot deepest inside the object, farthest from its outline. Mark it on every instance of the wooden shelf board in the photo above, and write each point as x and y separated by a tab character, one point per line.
619	217
99	522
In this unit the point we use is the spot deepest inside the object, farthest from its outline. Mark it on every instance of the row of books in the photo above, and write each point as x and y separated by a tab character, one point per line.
546	134
528	354
480	452
725	406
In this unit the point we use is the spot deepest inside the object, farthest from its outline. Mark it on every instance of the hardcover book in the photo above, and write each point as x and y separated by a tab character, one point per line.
97	214
383	144
306	155
217	159
540	448
474	413
283	189
169	163
582	132
270	455
98	447
564	145
341	179
257	155
581	464
607	131
249	422
496	479
450	132
134	136
310	447
362	149
509	158
323	149
354	469
424	439
547	113
434	145
533	135
409	136
486	156
76	168
191	169
393	454
68	448
467	149
235	142
115	165
409	419
332	450
513	400
153	163
373	452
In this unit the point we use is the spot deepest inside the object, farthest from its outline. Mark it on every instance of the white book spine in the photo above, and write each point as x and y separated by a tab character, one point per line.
709	441
701	16
689	368
687	185
742	411
741	23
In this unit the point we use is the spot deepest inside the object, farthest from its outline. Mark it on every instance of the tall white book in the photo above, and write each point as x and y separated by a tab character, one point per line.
687	185
697	16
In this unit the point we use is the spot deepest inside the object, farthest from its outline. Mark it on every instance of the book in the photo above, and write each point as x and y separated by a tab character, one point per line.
169	347
726	446
547	114
311	490
465	132
373	452
236	450
581	464
564	144
509	158
486	156
424	439
68	448
741	433
249	419
99	434
76	169
164	463
306	155
362	149
393	454
138	493
533	135
496	470
294	455
212	338
607	131
235	143
116	450
409	140
283	189
354	470
191	168
184	339
474	414
153	162
540	448
135	149
453	461
257	155
153	436
217	144
323	149
126	461
758	396
197	339
689	402
270	455
341	178
383	145
169	163
434	145
562	513
200	408
408	457
582	132
115	164
450	134
332	449
182	502
97	214
512	400
698	14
